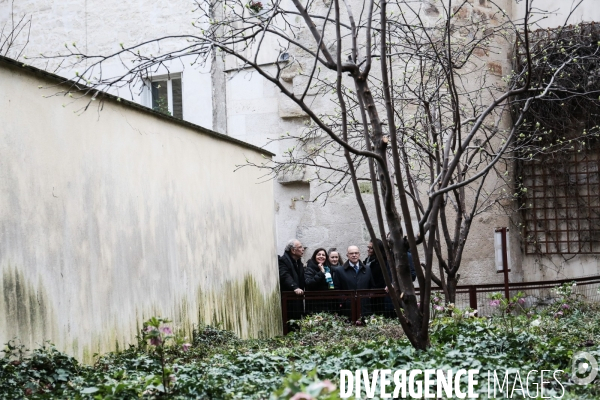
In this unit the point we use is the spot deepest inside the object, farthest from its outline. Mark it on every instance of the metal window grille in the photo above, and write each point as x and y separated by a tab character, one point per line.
562	203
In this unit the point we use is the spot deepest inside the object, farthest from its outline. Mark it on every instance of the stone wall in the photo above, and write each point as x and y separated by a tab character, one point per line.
110	217
560	12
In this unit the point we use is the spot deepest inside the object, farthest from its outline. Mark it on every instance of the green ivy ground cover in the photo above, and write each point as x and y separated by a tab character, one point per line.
217	365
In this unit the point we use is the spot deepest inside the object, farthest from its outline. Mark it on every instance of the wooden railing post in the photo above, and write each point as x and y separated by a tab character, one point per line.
355	308
473	297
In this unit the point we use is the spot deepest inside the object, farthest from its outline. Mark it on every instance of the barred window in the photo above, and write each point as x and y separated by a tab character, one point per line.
562	202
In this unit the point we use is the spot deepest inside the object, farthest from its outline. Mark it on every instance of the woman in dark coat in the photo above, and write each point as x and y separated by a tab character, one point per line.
318	276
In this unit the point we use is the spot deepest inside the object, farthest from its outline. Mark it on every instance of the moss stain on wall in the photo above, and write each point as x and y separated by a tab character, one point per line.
239	306
27	311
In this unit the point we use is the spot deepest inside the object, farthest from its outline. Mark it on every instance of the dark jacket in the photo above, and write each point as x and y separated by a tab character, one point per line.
378	279
346	278
291	273
314	278
376	272
411	264
336	267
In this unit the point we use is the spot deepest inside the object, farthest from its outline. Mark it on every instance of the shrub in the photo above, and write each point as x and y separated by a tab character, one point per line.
218	365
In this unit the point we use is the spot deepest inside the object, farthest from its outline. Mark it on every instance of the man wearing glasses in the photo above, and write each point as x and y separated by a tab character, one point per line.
291	269
291	277
354	275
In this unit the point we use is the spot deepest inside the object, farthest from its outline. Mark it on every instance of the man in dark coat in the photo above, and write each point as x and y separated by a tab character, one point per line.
291	269
372	262
291	277
378	304
354	275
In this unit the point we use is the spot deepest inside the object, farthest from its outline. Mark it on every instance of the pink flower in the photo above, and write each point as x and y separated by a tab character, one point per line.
166	330
566	306
436	299
327	384
521	301
495	303
558	314
150	328
155	341
438	308
186	346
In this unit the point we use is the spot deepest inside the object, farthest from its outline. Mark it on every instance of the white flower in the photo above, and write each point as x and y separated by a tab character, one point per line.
537	322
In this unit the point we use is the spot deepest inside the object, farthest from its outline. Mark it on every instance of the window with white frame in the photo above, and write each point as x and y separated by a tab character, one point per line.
165	95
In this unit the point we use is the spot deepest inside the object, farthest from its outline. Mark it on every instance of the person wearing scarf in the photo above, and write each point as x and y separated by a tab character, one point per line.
318	276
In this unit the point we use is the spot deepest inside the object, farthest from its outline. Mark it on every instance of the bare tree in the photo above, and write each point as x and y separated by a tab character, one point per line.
398	93
14	35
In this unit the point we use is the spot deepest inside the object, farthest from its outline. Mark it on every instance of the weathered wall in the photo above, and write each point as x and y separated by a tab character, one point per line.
550	267
110	217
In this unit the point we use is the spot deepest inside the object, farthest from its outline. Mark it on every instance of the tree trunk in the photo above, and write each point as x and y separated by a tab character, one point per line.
451	283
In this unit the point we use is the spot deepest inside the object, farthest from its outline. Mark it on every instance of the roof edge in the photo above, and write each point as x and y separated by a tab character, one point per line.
110	97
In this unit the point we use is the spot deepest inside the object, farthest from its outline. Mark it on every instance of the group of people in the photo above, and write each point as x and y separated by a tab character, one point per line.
326	270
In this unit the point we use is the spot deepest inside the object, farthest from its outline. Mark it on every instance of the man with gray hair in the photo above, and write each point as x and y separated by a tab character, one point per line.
291	278
291	270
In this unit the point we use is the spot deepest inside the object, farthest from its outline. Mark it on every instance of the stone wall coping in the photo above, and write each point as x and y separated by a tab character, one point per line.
11	63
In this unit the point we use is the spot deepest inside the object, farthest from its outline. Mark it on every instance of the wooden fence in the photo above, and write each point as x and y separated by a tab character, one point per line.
355	304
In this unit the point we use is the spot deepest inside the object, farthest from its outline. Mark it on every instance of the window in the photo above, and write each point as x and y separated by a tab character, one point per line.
166	95
562	203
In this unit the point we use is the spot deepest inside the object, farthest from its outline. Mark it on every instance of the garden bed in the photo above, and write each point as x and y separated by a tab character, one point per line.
217	365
